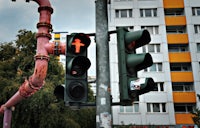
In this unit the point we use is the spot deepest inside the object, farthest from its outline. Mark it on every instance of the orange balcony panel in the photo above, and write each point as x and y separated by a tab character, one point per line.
173	3
185	118
182	77
177	38
175	20
184	97
179	57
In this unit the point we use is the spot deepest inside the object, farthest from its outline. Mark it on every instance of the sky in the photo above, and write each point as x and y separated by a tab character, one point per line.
68	16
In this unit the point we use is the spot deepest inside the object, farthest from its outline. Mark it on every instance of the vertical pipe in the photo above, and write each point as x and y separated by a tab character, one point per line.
7	118
103	102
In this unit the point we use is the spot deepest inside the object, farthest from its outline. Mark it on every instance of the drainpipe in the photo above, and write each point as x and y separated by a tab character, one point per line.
36	81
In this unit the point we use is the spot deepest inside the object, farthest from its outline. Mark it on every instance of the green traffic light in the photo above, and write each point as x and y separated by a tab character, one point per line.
130	63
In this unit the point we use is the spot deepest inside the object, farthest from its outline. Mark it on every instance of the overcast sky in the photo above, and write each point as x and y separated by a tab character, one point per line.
69	15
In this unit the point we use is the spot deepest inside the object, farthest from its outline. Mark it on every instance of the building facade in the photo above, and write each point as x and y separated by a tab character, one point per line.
174	26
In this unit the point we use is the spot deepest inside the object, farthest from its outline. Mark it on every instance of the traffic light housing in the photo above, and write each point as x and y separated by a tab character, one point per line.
129	63
77	64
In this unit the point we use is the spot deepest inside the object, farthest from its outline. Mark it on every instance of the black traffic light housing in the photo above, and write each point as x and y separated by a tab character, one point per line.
77	64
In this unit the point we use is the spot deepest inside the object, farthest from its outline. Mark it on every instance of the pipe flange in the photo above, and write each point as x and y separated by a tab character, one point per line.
43	35
57	48
44	24
50	9
40	56
36	88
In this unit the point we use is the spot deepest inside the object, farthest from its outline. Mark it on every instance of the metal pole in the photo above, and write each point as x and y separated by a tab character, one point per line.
7	118
103	102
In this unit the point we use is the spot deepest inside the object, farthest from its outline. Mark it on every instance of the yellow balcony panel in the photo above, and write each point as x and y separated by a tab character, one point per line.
185	118
175	20
182	77
184	97
179	57
177	38
173	3
57	35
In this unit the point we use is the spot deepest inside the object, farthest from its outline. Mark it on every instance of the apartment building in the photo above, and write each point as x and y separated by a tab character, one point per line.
174	26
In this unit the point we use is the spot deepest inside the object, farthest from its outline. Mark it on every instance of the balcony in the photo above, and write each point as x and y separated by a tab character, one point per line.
185	118
182	76
184	97
177	38
173	3
175	20
177	57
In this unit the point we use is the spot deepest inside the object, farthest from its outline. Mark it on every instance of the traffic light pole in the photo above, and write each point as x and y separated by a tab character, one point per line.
103	102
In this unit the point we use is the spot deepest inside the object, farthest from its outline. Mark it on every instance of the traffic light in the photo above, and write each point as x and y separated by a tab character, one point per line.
130	63
77	64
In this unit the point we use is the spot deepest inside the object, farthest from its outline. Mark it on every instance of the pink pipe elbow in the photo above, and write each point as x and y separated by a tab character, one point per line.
36	81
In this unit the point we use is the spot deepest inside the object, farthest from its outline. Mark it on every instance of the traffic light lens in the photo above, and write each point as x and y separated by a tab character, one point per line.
79	66
76	91
77	71
79	43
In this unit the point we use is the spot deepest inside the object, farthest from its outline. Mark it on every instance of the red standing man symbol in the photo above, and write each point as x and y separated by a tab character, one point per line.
77	43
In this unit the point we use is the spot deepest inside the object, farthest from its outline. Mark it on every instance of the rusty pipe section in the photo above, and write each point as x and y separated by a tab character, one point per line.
36	81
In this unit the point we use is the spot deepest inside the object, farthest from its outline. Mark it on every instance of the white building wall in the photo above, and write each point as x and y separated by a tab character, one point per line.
142	117
193	40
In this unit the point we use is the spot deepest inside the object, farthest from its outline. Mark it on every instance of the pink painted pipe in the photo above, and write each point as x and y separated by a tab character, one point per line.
36	81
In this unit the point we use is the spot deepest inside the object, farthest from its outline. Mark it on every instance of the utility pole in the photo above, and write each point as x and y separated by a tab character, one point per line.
103	101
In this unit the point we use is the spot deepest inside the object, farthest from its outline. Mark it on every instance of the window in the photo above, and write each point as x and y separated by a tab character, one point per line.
174	12
197	28
152	29
198	47
156	67
198	95
184	108
152	12
159	87
182	86
176	29
196	11
123	13
154	48
156	107
178	48
130	109
180	67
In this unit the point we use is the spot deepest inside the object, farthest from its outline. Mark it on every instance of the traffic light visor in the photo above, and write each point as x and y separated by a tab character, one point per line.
78	66
139	61
136	39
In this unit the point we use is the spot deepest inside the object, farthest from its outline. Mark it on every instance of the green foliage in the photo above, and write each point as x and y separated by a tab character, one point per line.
41	110
196	117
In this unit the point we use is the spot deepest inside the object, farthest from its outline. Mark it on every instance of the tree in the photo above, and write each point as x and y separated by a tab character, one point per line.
41	110
196	117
